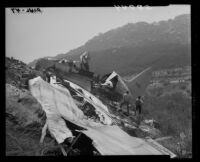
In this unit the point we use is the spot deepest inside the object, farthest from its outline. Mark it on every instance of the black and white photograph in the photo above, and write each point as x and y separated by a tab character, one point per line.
98	81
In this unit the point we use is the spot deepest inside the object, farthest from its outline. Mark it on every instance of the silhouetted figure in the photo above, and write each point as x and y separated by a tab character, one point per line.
125	101
138	104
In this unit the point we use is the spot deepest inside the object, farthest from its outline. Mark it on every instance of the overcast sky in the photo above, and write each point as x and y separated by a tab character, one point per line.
58	30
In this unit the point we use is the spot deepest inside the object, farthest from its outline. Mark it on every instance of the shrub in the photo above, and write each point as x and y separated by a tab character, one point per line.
158	91
172	111
183	86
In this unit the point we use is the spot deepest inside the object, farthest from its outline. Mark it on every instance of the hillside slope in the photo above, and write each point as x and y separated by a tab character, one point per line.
133	47
25	117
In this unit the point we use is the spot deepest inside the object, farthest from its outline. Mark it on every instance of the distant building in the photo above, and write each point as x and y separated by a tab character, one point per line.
159	73
174	81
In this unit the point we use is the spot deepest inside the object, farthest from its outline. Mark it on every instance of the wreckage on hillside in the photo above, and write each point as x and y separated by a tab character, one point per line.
71	100
136	85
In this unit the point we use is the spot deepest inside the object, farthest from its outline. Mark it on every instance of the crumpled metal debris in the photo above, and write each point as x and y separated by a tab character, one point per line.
108	139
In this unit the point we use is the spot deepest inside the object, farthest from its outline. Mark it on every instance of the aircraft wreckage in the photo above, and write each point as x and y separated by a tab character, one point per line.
70	99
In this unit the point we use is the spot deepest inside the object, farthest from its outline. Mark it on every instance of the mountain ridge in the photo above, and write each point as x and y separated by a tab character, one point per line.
170	39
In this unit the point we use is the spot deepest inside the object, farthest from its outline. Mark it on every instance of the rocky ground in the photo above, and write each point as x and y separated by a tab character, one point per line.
24	115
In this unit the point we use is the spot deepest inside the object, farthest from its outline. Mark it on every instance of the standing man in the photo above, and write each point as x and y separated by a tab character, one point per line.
138	104
48	74
84	61
125	101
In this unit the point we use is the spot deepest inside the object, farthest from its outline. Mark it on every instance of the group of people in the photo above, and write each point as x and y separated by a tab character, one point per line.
49	74
138	103
84	63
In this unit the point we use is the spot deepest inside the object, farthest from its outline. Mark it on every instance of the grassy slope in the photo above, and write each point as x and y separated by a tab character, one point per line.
24	115
23	126
171	106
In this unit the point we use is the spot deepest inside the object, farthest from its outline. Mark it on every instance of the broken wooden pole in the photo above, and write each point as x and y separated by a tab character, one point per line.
163	138
69	149
62	149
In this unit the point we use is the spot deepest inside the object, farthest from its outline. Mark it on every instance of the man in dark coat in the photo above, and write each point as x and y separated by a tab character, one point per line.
138	104
125	101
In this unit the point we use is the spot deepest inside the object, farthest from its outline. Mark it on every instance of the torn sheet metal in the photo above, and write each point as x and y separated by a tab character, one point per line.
111	140
138	84
57	103
58	129
55	107
121	87
160	147
108	140
101	109
88	95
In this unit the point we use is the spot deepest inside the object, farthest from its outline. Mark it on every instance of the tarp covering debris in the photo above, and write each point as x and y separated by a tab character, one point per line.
108	140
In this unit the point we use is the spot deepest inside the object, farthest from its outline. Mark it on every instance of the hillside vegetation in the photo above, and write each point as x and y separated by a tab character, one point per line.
171	106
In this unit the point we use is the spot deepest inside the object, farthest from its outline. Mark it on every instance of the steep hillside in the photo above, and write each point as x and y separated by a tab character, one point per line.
135	46
25	116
